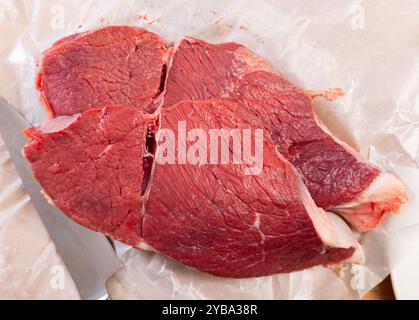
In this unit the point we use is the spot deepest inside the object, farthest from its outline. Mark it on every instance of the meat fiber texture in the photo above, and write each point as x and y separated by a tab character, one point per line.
116	65
338	178
97	180
305	41
95	167
217	219
102	197
107	194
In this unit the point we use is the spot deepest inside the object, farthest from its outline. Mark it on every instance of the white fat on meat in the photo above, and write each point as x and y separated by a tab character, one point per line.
57	124
146	247
385	195
332	230
370	207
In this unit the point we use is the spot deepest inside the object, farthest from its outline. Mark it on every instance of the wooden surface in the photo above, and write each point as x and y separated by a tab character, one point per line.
384	291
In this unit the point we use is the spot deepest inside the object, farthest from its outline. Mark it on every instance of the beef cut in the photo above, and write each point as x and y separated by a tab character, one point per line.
221	221
104	160
338	178
112	65
95	167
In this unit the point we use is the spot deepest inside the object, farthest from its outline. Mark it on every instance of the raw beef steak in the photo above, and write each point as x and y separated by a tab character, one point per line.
215	218
95	167
338	178
112	65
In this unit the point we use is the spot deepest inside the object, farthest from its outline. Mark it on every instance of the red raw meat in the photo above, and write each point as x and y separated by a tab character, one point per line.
96	158
95	167
221	221
112	65
338	178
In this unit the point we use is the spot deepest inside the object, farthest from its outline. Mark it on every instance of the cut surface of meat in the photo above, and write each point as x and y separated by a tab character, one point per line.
93	167
220	220
111	65
384	195
335	174
198	199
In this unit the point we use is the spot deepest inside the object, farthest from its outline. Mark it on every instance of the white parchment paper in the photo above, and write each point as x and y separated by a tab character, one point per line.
368	48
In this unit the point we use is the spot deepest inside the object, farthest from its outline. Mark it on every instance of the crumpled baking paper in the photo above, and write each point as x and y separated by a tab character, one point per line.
368	48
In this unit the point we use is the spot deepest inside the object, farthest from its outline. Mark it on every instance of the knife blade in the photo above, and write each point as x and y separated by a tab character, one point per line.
88	256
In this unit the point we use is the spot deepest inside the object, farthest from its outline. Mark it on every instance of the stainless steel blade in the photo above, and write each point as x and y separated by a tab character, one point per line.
88	255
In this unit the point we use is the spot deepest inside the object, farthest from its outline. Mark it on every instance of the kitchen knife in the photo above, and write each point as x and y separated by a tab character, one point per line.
88	256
